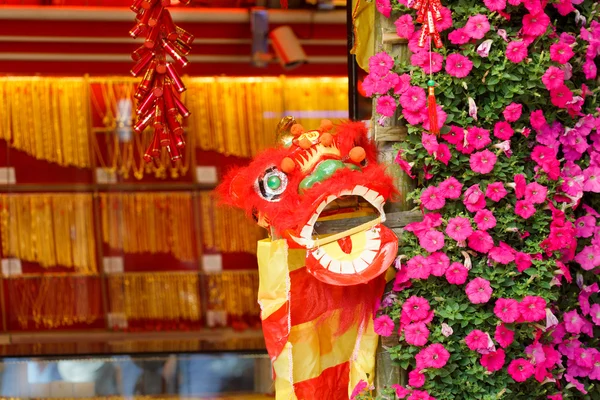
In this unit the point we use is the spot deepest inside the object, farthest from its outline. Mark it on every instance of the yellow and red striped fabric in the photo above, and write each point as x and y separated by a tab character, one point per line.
315	354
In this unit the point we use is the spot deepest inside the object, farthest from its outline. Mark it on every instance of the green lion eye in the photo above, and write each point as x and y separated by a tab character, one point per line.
274	182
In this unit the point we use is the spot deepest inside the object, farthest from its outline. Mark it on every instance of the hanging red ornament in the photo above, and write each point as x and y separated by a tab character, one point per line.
428	12
158	94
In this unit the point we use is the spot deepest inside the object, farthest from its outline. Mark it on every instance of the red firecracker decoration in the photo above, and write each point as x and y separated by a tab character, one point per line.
158	94
428	12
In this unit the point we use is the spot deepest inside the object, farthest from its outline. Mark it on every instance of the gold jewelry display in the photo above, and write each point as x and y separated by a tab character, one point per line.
54	301
171	296
236	116
46	118
227	230
234	292
51	229
126	158
158	222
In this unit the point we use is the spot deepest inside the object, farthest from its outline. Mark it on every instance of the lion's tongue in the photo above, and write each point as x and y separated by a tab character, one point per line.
345	244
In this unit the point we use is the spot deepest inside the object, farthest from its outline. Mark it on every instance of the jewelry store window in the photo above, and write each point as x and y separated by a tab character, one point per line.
214	376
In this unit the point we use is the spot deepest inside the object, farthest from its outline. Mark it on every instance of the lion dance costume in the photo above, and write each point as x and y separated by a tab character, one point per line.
318	292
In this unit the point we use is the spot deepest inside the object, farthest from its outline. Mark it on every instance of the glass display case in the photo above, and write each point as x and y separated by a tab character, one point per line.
221	375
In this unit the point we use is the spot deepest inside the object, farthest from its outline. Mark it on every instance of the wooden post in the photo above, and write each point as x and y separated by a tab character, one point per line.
390	132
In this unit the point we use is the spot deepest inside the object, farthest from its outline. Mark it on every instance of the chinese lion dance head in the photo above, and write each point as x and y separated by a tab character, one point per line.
314	176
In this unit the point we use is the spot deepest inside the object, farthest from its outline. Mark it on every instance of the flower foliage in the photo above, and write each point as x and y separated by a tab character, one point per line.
496	294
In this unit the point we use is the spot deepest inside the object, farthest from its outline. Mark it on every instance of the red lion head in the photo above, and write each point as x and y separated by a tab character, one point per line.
327	173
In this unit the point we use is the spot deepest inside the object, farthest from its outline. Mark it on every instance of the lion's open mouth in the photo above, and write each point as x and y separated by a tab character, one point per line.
355	249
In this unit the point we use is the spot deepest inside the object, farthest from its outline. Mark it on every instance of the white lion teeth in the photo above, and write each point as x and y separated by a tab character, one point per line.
373	245
360	265
326	261
360	190
335	266
347	267
368	256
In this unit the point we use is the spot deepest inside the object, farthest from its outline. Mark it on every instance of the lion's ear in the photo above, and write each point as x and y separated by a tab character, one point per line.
231	189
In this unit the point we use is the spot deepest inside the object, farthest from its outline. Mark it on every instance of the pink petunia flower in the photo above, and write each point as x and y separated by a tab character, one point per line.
381	63
459	36
537	119
430	62
438	263
520	185
495	5
416	334
383	325
474	199
477	340
358	389
404	26
432	241
433	356
585	226
416	379
520	369
595	314
446	21
386	106
495	191
485	220
503	130
523	261
535	24
502	254
480	241
420	395
589	69
432	198
401	391
451	188
384	7
573	322
477	137
507	310
561	96
493	361
591	181
561	52
403	84
483	162
525	209
516	51
484	50
589	257
513	112
479	291
414	99
418	268
553	79
459	228
456	274
416	308
443	154
536	193
532	308
458	65
504	336
477	26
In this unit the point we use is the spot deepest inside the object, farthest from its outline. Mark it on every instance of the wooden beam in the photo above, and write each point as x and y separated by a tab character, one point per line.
394	221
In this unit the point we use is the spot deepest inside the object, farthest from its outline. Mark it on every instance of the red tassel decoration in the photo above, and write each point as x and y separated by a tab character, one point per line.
434	129
284	4
159	105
